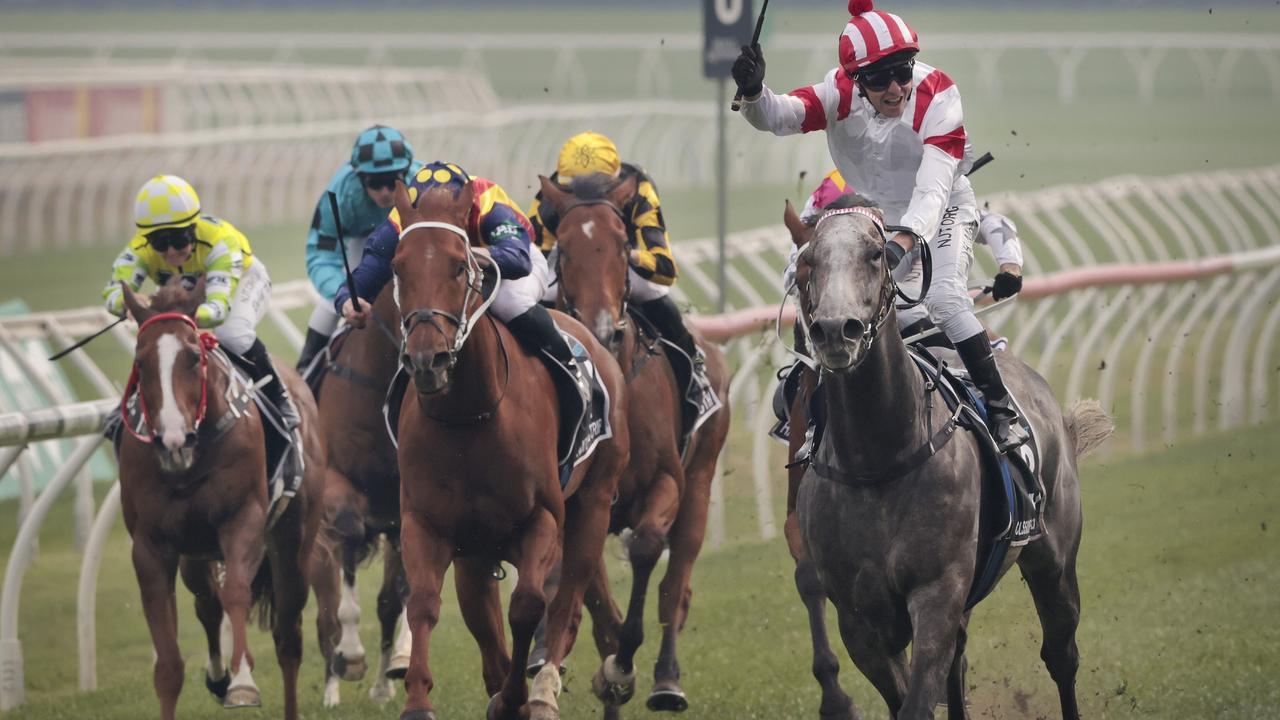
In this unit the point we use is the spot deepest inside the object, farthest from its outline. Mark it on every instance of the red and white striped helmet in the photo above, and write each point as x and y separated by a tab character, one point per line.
872	35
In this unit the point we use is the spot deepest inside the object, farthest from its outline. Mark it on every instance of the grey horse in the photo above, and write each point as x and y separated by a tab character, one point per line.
895	540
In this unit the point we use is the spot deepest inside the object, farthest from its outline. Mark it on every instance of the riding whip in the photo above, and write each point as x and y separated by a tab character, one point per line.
736	105
977	164
342	248
85	341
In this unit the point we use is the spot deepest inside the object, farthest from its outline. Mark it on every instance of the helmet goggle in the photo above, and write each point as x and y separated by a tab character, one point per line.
176	238
381	181
878	80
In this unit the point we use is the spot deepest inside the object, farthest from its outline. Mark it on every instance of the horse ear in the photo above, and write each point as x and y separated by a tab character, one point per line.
552	193
404	206
622	193
800	233
137	308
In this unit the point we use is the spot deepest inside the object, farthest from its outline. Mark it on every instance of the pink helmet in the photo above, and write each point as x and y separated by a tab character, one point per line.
873	35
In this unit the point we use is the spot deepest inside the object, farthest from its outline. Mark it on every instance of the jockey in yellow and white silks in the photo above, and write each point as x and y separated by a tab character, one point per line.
895	131
175	239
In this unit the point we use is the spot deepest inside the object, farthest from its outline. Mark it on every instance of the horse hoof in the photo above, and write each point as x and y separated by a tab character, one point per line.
667	697
382	692
491	712
418	715
218	687
397	668
350	670
844	710
242	697
611	684
539	710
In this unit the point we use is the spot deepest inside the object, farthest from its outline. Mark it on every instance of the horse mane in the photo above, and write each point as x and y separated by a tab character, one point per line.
595	186
173	296
851	200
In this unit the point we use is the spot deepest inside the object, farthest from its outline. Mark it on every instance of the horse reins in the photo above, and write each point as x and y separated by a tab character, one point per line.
463	322
207	342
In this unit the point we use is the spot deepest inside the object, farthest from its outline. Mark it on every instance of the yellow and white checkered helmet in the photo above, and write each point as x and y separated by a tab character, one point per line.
165	201
587	153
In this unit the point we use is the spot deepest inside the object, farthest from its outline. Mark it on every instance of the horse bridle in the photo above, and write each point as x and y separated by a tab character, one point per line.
463	322
207	343
623	247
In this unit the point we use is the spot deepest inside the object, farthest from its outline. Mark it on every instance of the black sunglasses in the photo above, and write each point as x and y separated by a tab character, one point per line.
380	181
176	238
879	80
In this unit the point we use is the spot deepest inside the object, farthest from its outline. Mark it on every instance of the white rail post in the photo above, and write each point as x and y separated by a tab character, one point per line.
12	687
87	598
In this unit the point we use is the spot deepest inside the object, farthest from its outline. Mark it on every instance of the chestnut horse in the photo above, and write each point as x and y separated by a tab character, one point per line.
194	494
362	503
478	467
661	499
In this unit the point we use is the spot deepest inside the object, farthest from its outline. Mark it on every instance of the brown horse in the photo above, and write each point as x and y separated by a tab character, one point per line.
362	503
194	494
660	498
478	467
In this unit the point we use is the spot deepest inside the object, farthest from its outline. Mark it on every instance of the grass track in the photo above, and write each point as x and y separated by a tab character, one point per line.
1179	569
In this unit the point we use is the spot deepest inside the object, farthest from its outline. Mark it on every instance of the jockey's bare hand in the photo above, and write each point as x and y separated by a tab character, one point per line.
633	257
357	317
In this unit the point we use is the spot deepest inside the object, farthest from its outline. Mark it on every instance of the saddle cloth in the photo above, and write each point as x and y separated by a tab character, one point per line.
584	411
240	392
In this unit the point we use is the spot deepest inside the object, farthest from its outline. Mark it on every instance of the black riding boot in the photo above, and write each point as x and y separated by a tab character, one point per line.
664	314
936	340
314	344
1002	417
537	332
275	389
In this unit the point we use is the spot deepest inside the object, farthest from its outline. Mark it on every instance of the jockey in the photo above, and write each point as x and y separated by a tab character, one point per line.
896	131
653	270
495	221
995	231
175	239
365	189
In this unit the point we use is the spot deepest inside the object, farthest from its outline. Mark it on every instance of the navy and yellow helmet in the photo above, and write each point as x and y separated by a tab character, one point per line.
437	174
381	149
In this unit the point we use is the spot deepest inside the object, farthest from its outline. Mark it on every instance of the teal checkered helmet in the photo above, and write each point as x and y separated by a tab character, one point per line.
381	149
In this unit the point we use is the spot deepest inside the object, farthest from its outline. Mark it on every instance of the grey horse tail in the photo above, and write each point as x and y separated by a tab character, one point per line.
1089	426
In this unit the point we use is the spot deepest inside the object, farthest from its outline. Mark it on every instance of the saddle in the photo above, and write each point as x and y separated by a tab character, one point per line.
584	411
1012	507
700	399
324	364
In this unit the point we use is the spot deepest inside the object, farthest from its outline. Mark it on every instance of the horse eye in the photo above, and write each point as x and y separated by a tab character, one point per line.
460	270
875	255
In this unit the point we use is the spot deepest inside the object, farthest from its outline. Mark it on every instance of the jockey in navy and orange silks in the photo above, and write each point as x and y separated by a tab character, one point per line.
496	221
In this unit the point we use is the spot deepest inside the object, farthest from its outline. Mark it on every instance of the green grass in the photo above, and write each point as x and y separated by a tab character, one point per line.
1179	571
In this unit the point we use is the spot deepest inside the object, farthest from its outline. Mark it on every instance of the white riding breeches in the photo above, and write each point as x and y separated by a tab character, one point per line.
517	296
248	306
948	301
323	318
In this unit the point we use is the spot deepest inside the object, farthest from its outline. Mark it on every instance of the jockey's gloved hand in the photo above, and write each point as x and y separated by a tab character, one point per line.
748	71
895	253
1005	285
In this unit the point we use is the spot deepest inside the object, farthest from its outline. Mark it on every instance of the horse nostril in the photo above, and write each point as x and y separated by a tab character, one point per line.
190	440
406	361
441	361
816	333
616	338
853	329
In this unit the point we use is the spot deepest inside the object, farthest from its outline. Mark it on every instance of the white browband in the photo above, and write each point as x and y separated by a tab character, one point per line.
433	224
